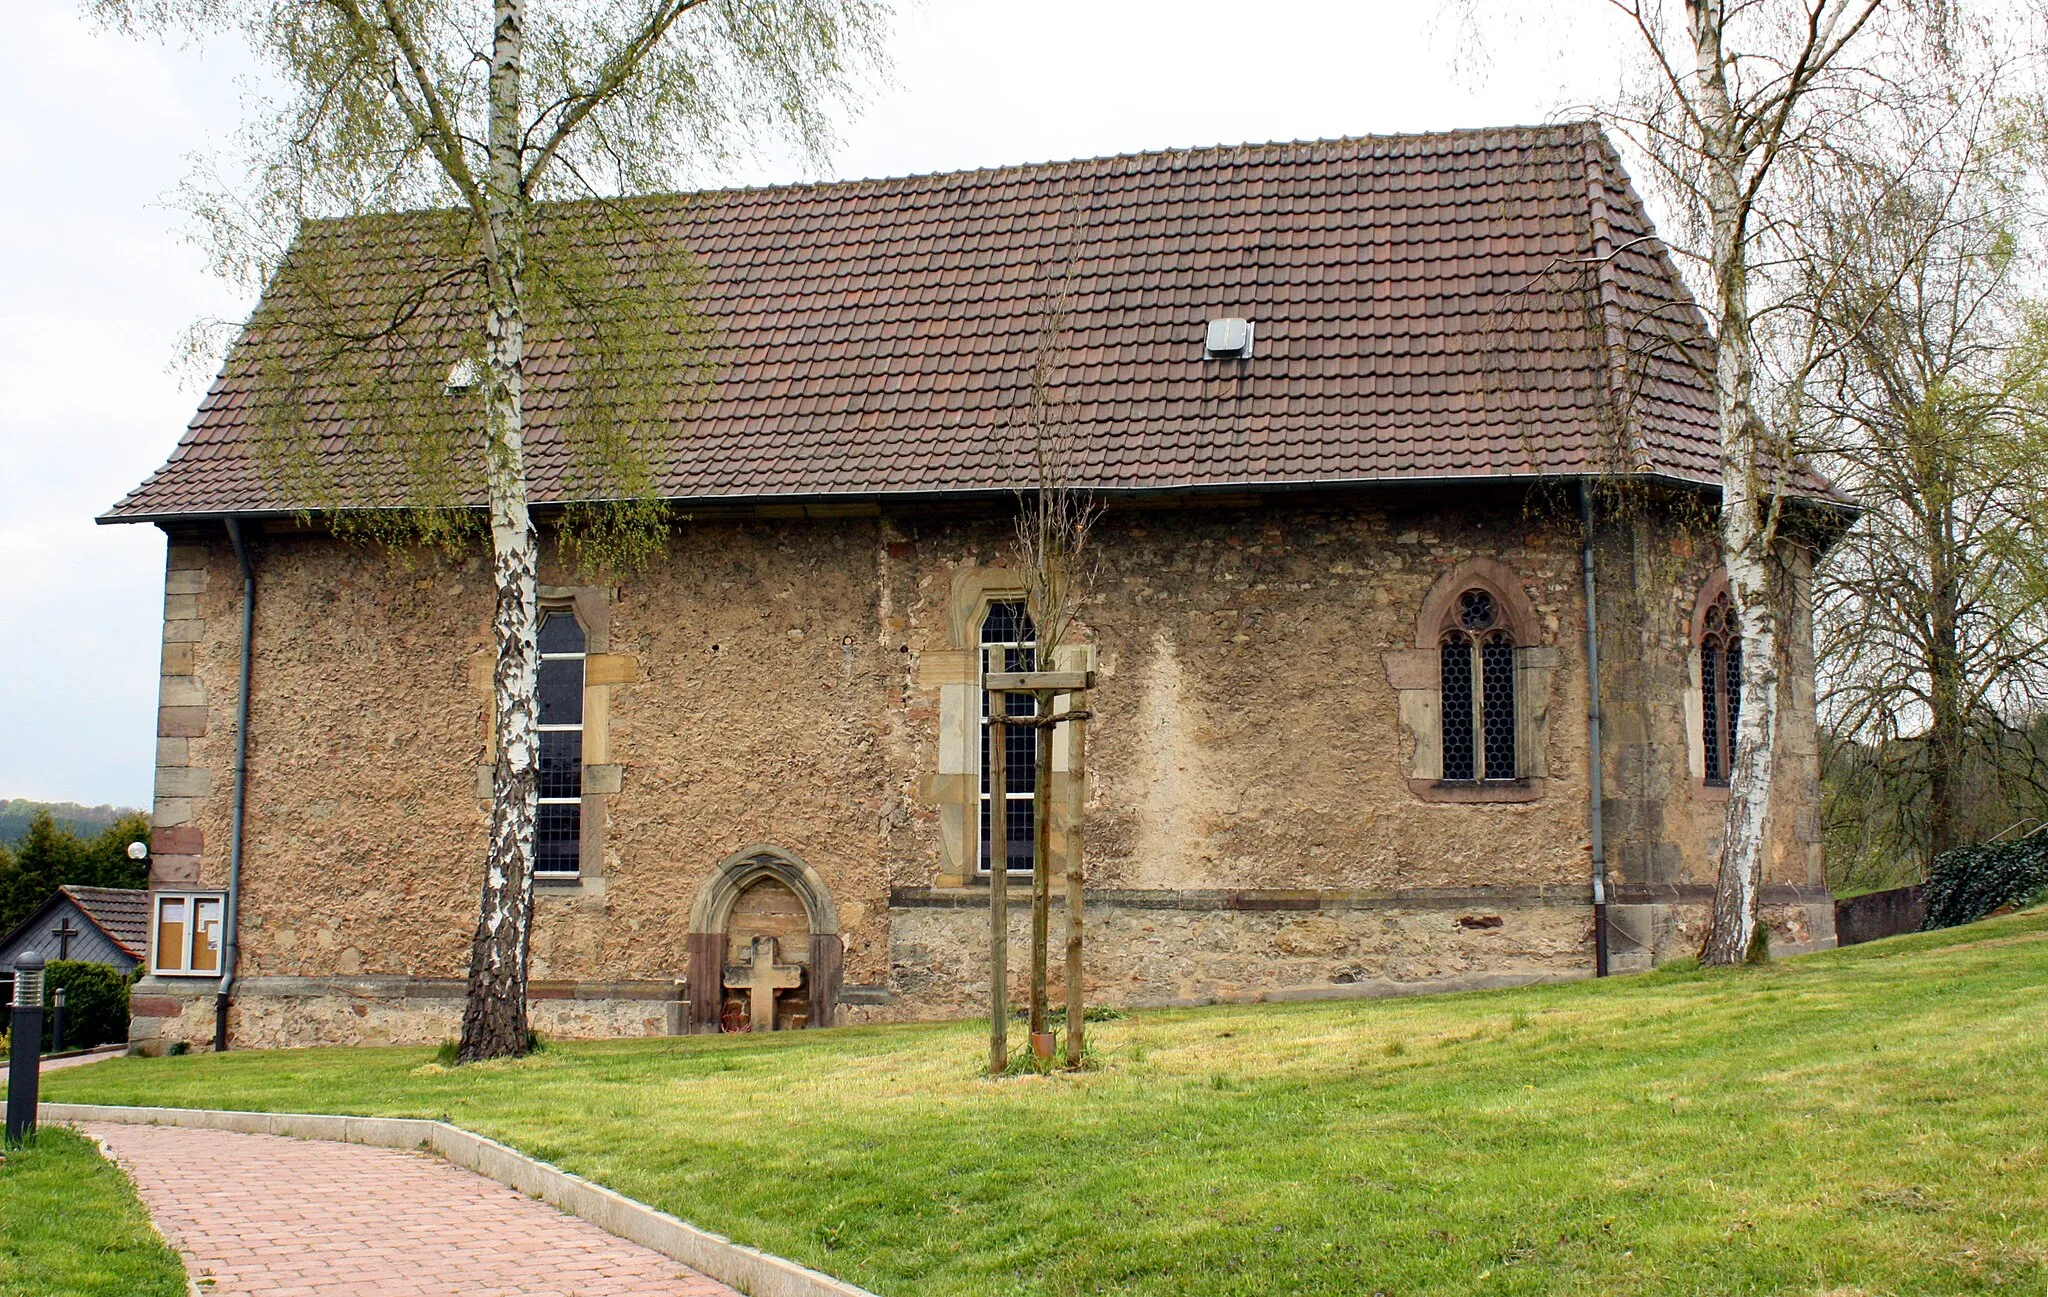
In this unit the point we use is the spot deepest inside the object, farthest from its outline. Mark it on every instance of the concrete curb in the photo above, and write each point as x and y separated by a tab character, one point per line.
750	1270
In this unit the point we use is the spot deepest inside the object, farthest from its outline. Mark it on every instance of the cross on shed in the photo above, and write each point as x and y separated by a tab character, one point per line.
64	932
762	977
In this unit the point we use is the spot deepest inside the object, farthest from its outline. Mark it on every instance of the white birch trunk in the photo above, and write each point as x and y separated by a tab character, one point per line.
1744	541
494	1015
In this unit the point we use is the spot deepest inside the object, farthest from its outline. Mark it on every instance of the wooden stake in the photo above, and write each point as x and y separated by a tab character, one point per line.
1041	861
998	888
1077	801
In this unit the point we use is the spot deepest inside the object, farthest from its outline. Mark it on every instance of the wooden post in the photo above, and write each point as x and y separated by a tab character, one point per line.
1041	860
998	889
1045	687
1077	801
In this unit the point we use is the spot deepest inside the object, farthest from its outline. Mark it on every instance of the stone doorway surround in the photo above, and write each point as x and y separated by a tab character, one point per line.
712	933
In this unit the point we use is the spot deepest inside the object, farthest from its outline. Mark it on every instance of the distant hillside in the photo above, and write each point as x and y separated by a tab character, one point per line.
82	820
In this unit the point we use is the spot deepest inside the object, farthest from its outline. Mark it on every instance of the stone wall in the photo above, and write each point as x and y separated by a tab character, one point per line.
803	682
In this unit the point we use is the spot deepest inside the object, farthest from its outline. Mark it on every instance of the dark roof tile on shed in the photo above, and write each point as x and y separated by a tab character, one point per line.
1426	307
122	914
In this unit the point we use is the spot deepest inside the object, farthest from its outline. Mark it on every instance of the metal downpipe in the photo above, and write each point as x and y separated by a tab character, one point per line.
232	920
1594	792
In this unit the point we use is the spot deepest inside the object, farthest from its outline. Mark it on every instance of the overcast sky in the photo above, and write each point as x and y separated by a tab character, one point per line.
99	283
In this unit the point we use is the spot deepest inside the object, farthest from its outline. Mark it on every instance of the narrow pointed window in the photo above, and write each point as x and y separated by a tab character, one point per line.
558	827
1009	642
1477	655
1720	689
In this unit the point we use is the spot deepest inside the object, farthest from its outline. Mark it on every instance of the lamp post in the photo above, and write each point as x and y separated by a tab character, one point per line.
24	1057
57	1021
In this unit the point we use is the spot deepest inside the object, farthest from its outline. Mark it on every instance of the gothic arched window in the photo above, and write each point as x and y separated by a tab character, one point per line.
1720	688
558	822
1009	642
1477	652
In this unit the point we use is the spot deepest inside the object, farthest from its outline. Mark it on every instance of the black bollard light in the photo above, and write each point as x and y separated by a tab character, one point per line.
24	1056
57	1021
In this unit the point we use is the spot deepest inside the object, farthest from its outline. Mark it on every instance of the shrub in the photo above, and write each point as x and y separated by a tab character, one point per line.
1759	951
1970	882
95	1003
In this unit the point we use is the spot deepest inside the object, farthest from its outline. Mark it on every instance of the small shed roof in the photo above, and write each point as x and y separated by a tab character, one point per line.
116	926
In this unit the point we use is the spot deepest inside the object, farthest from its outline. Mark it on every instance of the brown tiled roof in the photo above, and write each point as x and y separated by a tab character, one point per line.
120	913
1425	307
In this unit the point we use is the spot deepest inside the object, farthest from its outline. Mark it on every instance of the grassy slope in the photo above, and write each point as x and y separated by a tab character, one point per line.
70	1226
1863	1121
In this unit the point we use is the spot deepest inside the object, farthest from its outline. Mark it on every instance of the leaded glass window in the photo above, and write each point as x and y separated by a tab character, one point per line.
1009	642
558	827
1477	656
1720	688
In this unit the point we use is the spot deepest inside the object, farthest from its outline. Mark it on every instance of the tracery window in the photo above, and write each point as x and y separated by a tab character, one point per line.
1720	688
1477	654
558	829
1009	642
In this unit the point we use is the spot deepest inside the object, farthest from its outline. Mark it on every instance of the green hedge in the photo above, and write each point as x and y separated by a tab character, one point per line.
95	1003
1970	882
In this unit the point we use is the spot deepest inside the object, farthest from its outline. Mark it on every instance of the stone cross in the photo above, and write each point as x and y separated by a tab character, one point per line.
762	977
64	932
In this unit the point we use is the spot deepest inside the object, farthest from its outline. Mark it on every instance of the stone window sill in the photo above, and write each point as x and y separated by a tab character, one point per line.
1706	792
568	884
1436	790
980	878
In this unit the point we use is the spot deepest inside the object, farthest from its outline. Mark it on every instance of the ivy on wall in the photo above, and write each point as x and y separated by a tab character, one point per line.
1970	882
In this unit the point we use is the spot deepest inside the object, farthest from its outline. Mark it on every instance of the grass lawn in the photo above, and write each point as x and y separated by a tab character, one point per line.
70	1226
1864	1121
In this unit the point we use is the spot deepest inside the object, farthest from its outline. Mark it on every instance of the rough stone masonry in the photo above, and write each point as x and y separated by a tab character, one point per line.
1339	743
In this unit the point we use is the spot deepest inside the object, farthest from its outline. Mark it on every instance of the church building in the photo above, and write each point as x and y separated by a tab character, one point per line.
1378	426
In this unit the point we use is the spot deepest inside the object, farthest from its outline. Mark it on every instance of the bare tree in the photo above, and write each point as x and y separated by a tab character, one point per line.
488	110
1055	519
1930	407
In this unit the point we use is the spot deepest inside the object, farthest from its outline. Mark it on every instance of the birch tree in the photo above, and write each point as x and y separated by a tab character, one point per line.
491	109
1741	111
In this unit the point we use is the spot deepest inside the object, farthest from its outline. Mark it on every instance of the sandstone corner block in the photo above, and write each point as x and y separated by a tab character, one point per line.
180	691
180	722
177	840
183	781
173	870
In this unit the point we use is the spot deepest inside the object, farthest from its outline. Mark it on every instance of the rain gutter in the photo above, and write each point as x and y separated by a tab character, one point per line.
231	955
1594	795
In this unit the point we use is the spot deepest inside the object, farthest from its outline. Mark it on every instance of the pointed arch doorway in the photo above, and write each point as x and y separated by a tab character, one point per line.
764	945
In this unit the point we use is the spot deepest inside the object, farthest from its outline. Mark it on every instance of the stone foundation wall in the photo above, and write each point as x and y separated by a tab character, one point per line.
1145	950
278	1013
1647	932
1168	948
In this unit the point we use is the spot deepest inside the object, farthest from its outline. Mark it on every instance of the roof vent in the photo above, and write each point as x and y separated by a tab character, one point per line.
1229	340
463	376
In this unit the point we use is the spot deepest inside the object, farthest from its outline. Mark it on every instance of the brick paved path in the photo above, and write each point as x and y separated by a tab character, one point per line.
277	1216
80	1060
